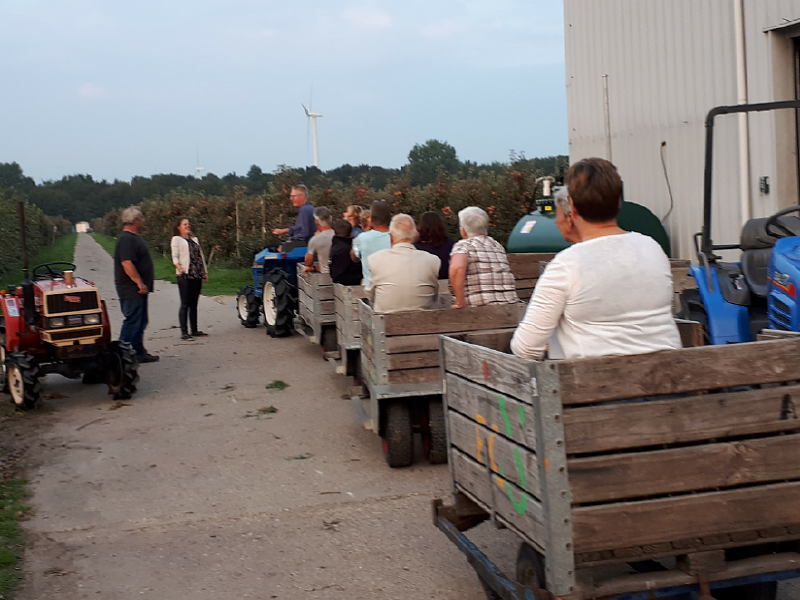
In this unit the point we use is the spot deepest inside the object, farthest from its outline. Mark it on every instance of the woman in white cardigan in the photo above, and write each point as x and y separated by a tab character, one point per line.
190	267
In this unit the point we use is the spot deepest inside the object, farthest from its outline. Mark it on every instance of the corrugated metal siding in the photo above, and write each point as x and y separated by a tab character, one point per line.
668	64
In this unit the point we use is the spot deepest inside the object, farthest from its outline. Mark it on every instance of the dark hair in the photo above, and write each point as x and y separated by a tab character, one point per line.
178	224
381	213
432	229
596	189
342	228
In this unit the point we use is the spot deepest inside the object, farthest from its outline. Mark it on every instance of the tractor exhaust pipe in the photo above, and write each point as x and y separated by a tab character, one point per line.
28	302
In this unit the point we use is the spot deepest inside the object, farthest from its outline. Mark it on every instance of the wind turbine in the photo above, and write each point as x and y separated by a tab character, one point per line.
198	169
313	121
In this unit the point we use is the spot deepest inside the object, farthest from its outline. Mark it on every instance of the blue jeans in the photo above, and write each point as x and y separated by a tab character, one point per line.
135	313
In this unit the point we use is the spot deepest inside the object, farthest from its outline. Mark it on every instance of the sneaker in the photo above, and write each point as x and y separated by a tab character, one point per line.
148	358
186	336
199	334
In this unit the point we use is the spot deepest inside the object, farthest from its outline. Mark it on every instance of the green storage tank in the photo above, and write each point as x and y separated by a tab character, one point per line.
537	232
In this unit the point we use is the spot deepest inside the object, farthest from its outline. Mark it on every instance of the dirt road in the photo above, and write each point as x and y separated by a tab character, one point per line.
188	491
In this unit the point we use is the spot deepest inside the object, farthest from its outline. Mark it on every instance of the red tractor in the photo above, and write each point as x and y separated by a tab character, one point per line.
58	323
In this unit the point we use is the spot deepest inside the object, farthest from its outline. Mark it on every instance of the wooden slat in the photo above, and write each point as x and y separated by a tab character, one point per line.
677	371
502	372
696	468
492	316
473	479
610	526
679	420
413	360
327	307
497	339
526	266
479	402
776	334
487	447
525	294
325	292
304	284
522	284
416	376
692	333
412	343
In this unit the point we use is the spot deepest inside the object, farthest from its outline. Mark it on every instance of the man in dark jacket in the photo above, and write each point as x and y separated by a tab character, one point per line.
133	274
344	269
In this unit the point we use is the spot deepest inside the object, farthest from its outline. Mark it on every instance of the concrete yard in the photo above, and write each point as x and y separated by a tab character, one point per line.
188	491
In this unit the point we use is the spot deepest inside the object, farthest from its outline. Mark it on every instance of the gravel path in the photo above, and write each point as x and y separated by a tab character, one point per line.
188	491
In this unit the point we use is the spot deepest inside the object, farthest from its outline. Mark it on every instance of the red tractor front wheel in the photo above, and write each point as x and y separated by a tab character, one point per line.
23	375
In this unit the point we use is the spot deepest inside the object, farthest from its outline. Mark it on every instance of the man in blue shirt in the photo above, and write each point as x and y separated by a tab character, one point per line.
370	242
304	227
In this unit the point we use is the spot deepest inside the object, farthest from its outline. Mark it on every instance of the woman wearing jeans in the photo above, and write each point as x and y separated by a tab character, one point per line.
190	266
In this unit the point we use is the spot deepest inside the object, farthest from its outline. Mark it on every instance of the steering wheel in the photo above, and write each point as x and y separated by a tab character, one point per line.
774	223
49	272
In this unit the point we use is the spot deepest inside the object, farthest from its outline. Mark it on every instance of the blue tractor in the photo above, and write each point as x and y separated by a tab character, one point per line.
736	300
274	290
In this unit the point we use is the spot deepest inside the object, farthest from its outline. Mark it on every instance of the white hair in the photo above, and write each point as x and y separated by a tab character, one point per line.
129	215
474	221
562	199
403	229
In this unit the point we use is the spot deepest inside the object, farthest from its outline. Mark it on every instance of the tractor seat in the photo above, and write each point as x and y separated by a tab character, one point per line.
755	266
755	236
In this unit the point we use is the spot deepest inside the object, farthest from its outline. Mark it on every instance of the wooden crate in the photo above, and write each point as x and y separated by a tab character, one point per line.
316	305
526	270
613	459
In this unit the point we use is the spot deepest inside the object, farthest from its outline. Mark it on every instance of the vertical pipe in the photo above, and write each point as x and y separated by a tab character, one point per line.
744	134
607	118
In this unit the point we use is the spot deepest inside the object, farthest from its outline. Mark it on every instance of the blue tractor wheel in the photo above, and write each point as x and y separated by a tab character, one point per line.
248	307
279	298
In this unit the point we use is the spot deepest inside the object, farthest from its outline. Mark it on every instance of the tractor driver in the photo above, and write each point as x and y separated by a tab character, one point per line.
304	227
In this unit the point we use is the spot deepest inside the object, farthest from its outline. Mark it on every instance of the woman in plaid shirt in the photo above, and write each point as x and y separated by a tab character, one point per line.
479	271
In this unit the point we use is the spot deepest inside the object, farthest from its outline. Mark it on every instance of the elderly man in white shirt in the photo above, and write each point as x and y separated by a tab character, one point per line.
608	294
401	277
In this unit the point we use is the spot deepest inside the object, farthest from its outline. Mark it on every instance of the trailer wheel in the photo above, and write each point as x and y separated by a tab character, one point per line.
692	309
123	370
3	367
398	443
530	567
247	307
329	341
434	435
280	302
23	380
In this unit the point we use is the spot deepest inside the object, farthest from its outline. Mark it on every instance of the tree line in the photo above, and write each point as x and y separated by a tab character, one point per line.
80	197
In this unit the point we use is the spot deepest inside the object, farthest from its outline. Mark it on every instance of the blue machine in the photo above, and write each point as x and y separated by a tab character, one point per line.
274	290
736	300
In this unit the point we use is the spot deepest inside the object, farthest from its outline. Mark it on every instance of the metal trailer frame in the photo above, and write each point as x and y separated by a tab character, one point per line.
452	526
348	326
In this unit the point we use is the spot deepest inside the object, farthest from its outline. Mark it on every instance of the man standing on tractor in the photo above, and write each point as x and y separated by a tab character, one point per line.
133	274
304	227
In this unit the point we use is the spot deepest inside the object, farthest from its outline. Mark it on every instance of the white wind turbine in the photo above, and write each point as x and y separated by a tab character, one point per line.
199	170
312	119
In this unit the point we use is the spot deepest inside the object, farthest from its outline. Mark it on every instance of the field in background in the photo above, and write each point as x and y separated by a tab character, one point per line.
221	281
62	249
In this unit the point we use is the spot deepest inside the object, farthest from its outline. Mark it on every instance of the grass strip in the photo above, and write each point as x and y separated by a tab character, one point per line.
12	509
221	281
63	249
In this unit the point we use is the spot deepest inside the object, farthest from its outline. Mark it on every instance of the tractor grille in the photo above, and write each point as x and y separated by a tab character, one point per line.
781	306
58	304
58	336
781	321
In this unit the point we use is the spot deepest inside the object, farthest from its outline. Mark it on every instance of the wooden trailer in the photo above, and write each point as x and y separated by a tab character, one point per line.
526	269
400	369
316	311
686	455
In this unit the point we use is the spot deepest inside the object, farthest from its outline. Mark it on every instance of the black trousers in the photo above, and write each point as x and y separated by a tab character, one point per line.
190	294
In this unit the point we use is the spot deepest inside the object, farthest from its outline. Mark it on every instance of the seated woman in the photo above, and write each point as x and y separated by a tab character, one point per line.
343	269
608	294
479	271
434	240
353	216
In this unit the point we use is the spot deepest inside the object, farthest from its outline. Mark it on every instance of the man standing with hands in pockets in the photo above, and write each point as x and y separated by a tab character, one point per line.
133	275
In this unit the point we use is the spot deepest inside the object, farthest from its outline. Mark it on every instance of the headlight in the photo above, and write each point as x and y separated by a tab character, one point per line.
55	323
91	319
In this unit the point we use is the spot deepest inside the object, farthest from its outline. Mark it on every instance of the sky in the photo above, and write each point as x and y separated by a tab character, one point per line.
118	89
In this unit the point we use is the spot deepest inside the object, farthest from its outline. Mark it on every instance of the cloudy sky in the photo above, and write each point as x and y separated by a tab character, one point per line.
117	89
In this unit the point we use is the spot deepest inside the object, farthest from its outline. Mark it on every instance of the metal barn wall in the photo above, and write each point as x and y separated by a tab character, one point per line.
668	63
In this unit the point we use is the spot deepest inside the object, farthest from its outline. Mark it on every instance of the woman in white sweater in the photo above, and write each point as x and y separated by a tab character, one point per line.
610	293
190	267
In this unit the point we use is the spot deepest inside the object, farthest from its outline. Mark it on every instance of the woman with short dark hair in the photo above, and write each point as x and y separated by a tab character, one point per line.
433	239
610	293
191	269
